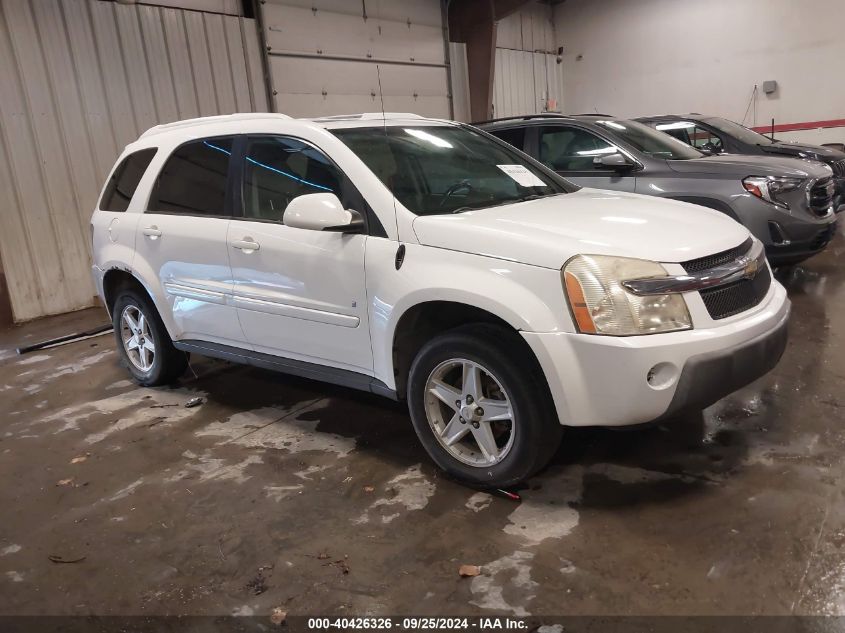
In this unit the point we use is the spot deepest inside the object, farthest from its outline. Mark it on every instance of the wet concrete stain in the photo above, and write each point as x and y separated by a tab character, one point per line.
737	510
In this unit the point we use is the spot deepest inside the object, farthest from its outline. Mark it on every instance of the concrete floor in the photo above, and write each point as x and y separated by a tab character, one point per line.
283	492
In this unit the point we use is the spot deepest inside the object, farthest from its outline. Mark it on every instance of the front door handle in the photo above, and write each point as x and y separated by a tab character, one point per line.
152	232
247	245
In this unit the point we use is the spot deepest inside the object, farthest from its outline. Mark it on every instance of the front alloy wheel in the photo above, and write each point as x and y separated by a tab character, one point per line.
469	412
481	407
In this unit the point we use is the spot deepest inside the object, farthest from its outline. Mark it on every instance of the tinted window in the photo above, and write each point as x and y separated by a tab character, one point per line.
739	131
691	134
447	169
514	136
193	180
649	141
124	181
278	169
572	149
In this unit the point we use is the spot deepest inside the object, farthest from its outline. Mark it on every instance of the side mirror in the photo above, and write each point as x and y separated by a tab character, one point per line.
322	212
616	161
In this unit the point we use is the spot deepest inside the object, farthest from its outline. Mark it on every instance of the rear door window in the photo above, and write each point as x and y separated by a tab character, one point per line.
124	181
194	179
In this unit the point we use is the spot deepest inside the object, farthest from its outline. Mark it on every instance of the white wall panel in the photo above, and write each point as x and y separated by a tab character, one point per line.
460	80
661	56
326	56
526	83
529	29
528	78
81	79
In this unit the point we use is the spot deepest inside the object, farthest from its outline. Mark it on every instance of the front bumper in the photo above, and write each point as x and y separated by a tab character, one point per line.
789	236
603	380
809	241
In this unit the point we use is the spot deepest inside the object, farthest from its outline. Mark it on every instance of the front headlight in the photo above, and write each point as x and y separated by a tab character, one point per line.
770	188
601	305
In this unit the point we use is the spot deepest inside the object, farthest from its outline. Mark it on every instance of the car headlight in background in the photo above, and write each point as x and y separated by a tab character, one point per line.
601	305
771	188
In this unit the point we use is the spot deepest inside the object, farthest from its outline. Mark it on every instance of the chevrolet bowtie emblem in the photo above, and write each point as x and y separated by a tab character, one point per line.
751	268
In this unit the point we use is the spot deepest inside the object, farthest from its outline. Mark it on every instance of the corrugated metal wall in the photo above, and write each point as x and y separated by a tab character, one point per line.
526	83
81	79
324	55
460	81
528	77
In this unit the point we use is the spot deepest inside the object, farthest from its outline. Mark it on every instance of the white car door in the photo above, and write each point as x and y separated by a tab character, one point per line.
181	241
300	293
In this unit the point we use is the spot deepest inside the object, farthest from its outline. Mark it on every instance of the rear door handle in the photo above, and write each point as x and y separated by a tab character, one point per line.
247	245
152	232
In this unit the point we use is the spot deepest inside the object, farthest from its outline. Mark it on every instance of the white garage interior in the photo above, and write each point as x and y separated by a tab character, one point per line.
233	490
85	77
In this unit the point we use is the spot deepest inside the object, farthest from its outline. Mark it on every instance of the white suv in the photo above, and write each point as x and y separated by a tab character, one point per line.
427	261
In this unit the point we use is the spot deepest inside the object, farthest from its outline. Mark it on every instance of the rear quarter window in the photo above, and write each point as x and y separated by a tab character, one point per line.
124	180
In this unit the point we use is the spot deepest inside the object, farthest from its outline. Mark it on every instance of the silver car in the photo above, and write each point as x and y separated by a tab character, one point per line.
787	203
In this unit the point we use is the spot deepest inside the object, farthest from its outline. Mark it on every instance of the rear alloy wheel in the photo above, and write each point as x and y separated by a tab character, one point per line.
137	338
481	406
144	344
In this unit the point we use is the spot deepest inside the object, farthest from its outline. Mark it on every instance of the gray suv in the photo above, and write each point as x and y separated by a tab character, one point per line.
786	203
716	135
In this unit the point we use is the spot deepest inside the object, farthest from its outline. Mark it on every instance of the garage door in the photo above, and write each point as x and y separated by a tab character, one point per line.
329	56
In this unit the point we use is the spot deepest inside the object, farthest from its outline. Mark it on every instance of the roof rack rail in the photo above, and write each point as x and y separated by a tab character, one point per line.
221	118
592	114
523	117
367	116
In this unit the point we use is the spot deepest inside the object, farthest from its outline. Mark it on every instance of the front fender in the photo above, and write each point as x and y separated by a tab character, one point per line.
529	298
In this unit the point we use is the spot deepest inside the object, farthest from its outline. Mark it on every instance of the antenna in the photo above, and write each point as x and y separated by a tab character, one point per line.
387	145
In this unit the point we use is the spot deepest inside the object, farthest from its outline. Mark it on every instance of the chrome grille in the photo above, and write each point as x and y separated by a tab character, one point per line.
838	166
711	261
737	296
724	301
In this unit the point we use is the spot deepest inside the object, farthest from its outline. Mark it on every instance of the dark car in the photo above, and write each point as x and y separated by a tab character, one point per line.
785	202
716	135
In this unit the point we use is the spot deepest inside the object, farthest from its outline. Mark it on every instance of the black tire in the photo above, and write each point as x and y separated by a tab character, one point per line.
168	362
536	428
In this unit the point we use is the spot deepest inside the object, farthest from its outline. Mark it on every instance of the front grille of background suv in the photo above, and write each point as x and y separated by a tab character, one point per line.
731	299
820	196
838	167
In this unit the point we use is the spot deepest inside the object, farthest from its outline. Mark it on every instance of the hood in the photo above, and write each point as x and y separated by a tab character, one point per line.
548	231
794	148
741	165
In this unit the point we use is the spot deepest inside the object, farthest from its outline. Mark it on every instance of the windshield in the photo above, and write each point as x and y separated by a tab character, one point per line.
650	141
739	131
448	169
